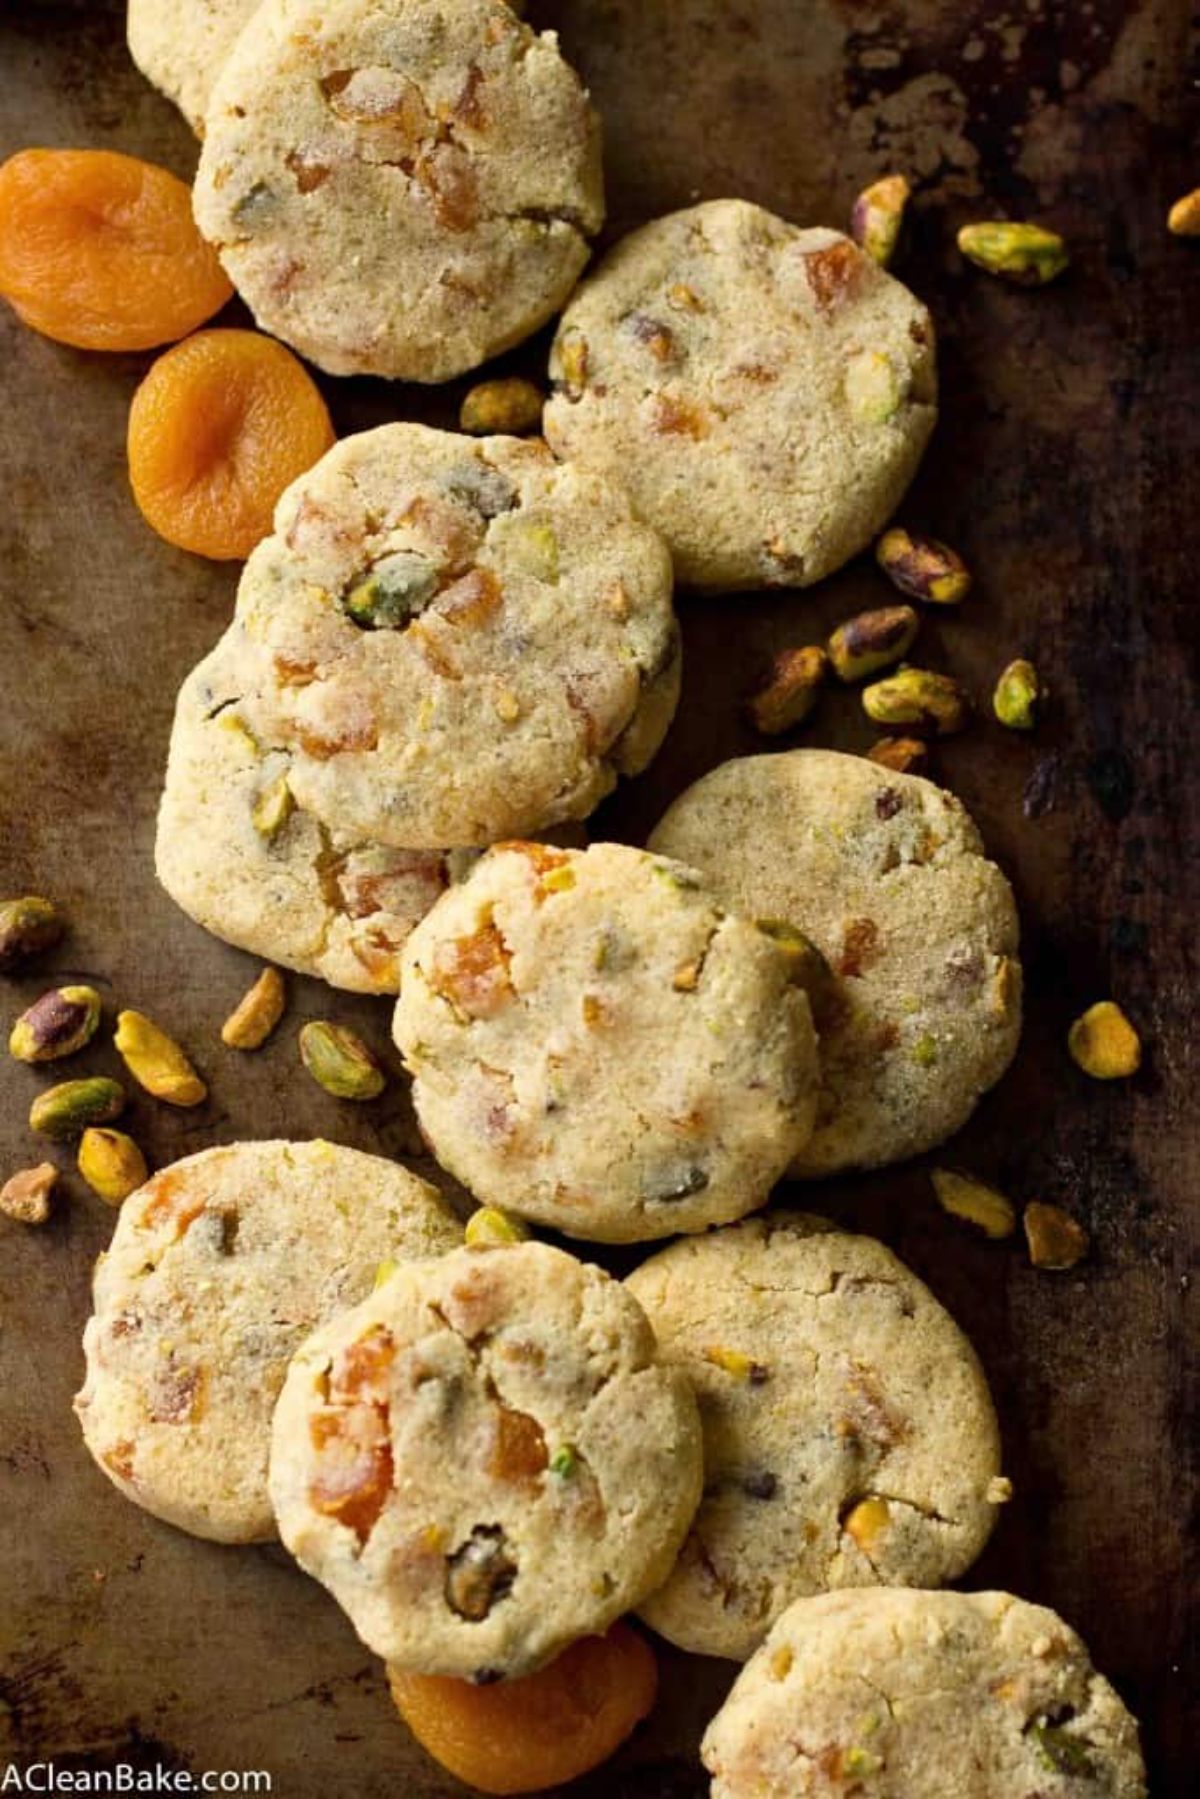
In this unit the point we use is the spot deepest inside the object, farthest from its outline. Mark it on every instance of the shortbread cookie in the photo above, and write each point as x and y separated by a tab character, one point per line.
764	392
922	1696
887	874
218	1268
399	190
457	640
249	865
597	1045
181	45
849	1436
485	1460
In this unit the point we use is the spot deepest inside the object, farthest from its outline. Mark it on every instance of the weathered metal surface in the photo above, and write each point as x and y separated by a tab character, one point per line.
1060	468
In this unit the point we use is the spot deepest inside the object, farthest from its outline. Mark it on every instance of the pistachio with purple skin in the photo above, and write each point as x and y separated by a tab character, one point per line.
923	567
872	640
28	927
878	216
59	1023
790	691
919	698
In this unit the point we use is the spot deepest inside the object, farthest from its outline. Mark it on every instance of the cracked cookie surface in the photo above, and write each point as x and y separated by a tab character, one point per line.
218	1269
456	640
485	1460
764	392
399	190
595	1044
181	46
849	1436
886	873
236	853
922	1696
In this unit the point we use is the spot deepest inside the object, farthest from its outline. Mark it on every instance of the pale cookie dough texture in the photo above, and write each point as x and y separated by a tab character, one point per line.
922	1696
218	1269
302	894
596	1045
456	640
400	190
485	1460
181	45
887	875
765	392
849	1436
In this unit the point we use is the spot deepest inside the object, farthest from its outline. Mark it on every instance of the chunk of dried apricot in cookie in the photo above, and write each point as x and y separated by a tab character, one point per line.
518	1736
100	250
219	427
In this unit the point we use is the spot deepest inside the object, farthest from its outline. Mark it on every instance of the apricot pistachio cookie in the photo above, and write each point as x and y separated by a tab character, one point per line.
485	1460
218	1268
455	639
905	1695
765	392
595	1044
242	859
180	46
921	1007
849	1436
399	190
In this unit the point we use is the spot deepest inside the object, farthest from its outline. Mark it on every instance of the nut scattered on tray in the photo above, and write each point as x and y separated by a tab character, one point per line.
1056	1240
156	1061
964	1197
1104	1043
790	691
339	1060
111	1163
28	927
257	1012
56	1025
25	1196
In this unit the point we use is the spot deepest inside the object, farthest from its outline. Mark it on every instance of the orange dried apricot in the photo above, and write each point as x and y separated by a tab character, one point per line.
101	251
219	427
518	1736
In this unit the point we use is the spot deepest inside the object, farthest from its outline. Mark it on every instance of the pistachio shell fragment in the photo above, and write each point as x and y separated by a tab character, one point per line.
156	1061
790	690
257	1012
67	1110
1104	1043
28	927
508	407
925	568
59	1023
904	755
1025	254
489	1228
1056	1240
878	215
339	1060
1018	696
964	1197
112	1164
872	640
1183	220
919	698
25	1196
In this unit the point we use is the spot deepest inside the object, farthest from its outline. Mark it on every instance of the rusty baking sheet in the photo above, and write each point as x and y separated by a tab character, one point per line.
1063	467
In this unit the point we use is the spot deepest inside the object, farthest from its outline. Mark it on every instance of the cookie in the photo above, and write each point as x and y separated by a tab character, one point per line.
399	190
922	1696
236	853
484	1460
457	640
849	1436
765	392
596	1045
887	874
181	45
218	1269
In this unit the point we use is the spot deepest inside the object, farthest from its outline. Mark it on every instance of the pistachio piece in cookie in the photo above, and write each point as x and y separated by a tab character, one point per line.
597	1045
765	392
887	876
922	1696
402	191
849	1436
453	640
485	1460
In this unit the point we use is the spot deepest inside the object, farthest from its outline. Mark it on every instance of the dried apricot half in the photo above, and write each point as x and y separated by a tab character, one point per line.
518	1736
219	427
101	251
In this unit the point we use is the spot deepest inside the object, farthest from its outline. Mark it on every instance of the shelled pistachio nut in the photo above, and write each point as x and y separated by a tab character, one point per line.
869	641
790	691
1019	696
1056	1240
903	755
1025	254
489	1227
964	1197
920	698
1183	220
256	1013
1104	1043
111	1163
67	1110
340	1062
25	1196
156	1061
57	1024
877	216
508	408
925	568
28	927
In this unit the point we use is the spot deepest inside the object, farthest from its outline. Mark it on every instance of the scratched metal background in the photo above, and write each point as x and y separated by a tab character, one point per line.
1065	469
